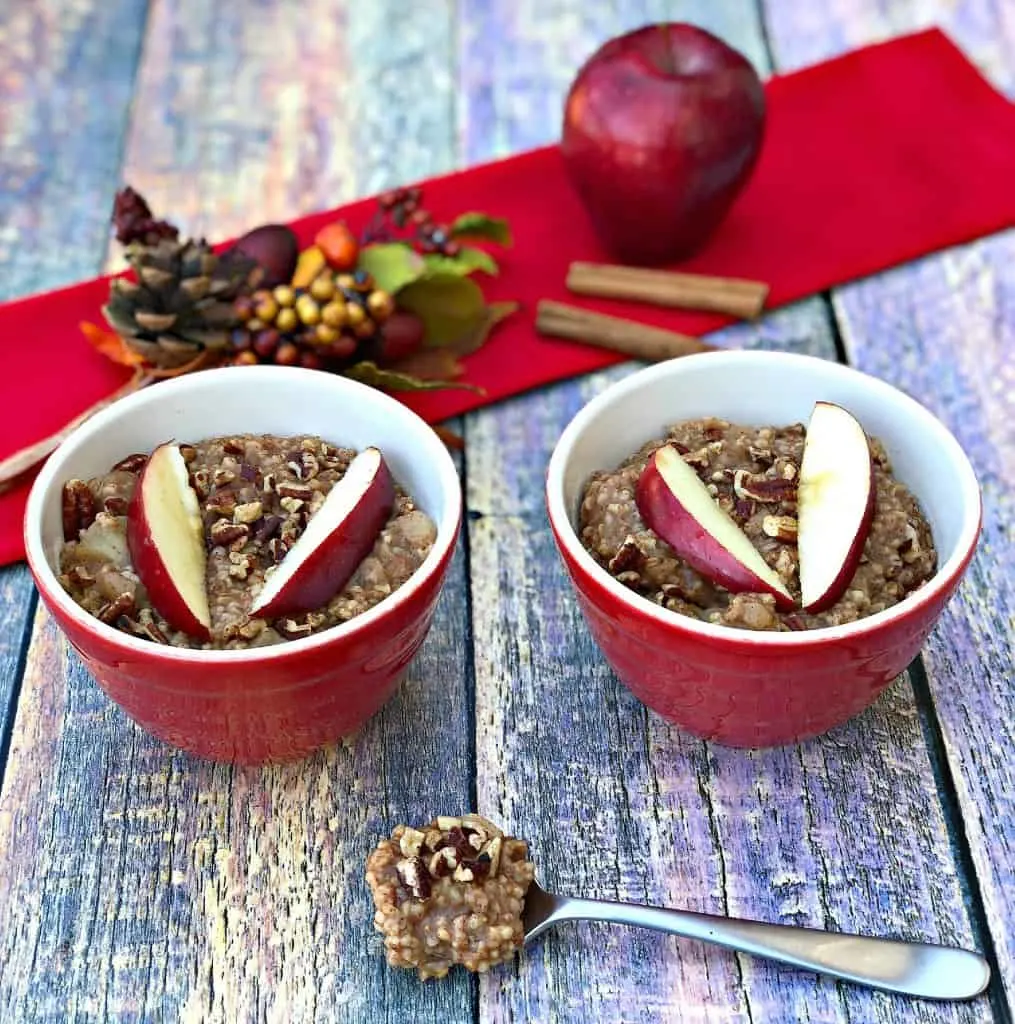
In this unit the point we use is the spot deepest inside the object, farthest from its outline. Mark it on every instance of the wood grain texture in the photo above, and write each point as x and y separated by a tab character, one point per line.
142	885
844	832
942	330
66	75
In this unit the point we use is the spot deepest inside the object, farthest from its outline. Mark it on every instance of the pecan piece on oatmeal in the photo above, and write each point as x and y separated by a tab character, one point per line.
761	488
780	527
224	532
77	508
131	463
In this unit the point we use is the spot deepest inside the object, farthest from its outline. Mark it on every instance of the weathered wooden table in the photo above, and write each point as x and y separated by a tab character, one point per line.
137	884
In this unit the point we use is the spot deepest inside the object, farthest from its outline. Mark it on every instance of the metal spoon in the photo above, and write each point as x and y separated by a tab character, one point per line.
910	968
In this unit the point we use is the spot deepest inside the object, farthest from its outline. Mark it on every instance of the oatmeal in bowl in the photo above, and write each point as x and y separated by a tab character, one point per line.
754	476
168	622
763	625
256	497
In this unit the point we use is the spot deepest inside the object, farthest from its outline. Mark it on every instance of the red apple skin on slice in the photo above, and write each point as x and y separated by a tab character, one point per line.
835	504
165	537
676	505
338	537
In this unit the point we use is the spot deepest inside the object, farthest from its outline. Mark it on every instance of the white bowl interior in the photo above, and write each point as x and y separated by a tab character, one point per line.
762	388
255	399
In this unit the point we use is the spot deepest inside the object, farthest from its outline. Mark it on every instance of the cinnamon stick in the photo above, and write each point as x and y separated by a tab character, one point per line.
628	337
734	296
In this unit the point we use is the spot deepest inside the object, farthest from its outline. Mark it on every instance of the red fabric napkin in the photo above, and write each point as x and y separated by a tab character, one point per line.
869	160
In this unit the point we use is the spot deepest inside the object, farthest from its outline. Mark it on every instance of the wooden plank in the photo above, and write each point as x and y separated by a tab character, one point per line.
844	832
58	148
948	317
142	885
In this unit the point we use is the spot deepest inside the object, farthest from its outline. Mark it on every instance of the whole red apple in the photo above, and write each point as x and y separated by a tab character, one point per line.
662	128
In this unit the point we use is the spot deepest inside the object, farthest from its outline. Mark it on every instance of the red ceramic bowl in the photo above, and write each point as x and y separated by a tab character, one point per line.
270	703
733	686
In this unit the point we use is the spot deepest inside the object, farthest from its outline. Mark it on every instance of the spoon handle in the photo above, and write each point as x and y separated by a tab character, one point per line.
911	968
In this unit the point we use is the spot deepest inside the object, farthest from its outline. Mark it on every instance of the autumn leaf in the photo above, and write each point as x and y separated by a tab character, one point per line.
392	265
451	307
465	261
392	379
110	344
481	225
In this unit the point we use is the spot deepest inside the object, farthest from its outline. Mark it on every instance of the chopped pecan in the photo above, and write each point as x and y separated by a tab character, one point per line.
293	629
414	877
240	565
131	463
703	456
780	527
248	512
222	503
252	628
629	557
765	489
463	873
199	481
743	509
115	505
77	508
225	532
785	564
438	865
233	447
303	465
122	605
145	627
189	453
910	546
477	823
411	842
288	489
77	576
493	852
276	549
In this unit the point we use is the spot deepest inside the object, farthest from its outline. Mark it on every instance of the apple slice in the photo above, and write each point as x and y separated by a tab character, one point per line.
835	504
165	536
338	537
677	506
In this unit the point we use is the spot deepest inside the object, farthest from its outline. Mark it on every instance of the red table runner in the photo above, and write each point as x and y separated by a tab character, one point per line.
871	159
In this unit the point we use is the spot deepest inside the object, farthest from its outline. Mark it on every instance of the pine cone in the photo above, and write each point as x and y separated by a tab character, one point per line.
180	302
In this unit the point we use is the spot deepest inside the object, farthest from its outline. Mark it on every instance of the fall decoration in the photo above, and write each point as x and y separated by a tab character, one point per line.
394	307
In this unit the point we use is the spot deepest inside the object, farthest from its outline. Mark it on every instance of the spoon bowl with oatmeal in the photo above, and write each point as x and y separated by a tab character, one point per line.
459	891
676	500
